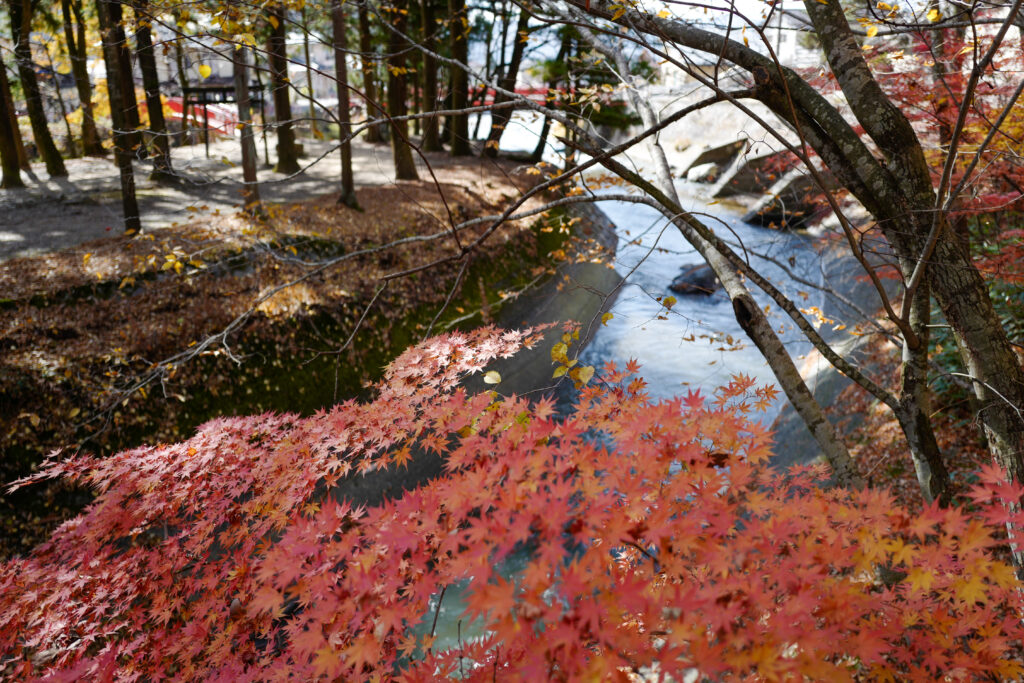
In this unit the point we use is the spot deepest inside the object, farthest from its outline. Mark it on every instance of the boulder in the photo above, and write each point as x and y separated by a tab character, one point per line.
750	175
712	161
792	202
696	278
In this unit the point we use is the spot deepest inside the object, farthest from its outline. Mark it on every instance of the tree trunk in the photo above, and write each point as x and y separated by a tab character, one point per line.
309	76
125	78
915	403
21	25
339	25
369	68
538	151
114	43
405	166
431	138
151	84
263	98
500	117
8	141
287	154
75	37
71	148
179	61
459	79
241	74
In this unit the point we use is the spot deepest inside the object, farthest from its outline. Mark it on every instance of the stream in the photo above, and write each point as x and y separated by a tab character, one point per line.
696	345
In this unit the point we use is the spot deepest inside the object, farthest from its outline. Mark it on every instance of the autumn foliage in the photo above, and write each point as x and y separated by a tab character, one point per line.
659	542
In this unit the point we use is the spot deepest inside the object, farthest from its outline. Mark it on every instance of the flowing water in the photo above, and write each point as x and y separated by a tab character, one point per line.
697	344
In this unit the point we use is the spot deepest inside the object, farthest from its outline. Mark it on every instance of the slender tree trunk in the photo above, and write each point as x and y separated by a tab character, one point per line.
179	62
113	43
542	141
339	24
75	37
915	402
8	140
431	139
500	117
287	154
124	76
241	74
370	97
21	25
151	84
459	79
263	95
71	148
481	92
309	76
405	166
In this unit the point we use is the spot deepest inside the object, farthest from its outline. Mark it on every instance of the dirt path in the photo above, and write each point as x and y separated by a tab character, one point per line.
54	213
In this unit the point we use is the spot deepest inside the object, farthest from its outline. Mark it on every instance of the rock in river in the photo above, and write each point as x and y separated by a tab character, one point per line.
696	278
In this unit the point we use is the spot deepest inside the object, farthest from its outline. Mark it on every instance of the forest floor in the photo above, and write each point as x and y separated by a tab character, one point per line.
86	312
52	213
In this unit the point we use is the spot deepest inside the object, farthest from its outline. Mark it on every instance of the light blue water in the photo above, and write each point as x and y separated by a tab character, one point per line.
688	347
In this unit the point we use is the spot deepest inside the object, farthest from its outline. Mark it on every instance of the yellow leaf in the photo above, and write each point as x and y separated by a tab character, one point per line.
934	15
872	31
559	371
273	20
669	302
664	14
492	377
618	13
606	317
205	71
559	351
585	374
85	259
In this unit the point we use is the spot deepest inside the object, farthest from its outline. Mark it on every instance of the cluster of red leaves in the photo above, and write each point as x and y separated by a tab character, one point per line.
660	543
929	85
1007	263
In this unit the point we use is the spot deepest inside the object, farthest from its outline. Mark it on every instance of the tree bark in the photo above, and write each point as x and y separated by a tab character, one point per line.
501	117
287	154
251	192
113	44
339	24
75	37
9	162
915	403
21	25
179	61
124	76
71	147
309	76
151	85
405	165
458	24
368	65
431	135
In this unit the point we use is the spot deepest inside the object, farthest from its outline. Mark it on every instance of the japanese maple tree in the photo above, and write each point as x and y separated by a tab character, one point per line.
659	542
